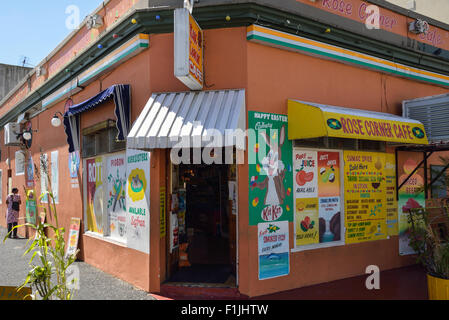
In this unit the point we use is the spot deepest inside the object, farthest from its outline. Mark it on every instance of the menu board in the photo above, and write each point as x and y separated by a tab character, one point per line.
365	186
317	196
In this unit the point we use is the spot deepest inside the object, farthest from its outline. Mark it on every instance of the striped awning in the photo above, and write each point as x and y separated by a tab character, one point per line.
121	93
190	119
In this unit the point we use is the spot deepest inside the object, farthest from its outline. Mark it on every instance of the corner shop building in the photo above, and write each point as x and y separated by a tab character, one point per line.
255	77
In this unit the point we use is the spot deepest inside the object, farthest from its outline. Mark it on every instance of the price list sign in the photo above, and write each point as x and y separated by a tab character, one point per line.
365	206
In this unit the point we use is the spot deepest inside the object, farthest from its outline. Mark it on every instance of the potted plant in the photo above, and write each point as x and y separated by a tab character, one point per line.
429	237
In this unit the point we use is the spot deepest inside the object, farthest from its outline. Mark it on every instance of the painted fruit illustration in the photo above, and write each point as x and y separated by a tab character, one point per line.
306	224
327	175
303	177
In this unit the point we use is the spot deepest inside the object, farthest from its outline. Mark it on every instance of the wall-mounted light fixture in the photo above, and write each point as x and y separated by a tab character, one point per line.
55	121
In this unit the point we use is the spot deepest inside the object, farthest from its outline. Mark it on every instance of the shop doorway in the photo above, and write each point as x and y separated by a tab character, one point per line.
202	220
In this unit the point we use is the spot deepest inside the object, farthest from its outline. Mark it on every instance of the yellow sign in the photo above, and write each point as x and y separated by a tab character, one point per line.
162	211
195	50
390	194
328	121
365	205
10	293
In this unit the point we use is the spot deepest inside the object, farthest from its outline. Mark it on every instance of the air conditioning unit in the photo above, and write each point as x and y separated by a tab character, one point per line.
433	113
94	22
418	26
13	134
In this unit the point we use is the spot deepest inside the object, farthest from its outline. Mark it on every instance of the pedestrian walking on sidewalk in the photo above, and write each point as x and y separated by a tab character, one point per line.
12	215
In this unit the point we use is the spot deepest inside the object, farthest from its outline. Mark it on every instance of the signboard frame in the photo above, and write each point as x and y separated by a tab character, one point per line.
342	240
188	69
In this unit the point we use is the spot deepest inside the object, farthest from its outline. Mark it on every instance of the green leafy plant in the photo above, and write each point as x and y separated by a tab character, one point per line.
48	263
429	238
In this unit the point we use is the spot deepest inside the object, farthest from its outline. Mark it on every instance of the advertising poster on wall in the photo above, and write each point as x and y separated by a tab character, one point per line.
274	250
317	196
329	195
116	196
95	195
29	173
138	200
306	196
307	221
390	194
411	195
74	231
270	169
55	176
31	207
365	185
74	165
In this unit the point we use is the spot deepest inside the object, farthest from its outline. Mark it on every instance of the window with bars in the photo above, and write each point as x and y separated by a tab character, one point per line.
101	139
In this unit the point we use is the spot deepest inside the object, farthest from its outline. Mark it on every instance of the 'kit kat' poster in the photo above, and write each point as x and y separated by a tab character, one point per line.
270	168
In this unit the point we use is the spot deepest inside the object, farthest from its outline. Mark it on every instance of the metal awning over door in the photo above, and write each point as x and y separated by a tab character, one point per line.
194	119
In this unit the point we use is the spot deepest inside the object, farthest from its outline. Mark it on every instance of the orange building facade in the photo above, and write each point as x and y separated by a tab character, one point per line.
270	65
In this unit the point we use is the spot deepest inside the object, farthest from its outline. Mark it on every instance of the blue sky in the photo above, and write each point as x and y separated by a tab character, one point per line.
34	28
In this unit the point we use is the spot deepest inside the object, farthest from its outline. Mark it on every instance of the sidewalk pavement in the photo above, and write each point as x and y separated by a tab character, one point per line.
407	283
94	284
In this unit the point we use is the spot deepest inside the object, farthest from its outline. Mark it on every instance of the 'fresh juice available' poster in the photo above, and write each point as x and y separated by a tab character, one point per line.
306	196
274	250
390	194
317	196
95	195
365	196
411	195
270	168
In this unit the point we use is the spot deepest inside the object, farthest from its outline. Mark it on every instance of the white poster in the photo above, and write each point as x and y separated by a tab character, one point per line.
138	200
55	175
305	173
274	249
20	163
116	196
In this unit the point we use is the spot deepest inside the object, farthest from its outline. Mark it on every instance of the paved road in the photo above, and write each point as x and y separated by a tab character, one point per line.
94	284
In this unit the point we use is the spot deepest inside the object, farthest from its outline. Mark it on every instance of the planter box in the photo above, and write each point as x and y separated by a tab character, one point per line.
438	288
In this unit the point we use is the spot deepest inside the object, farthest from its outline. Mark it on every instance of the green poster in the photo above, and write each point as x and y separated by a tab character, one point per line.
270	168
31	207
